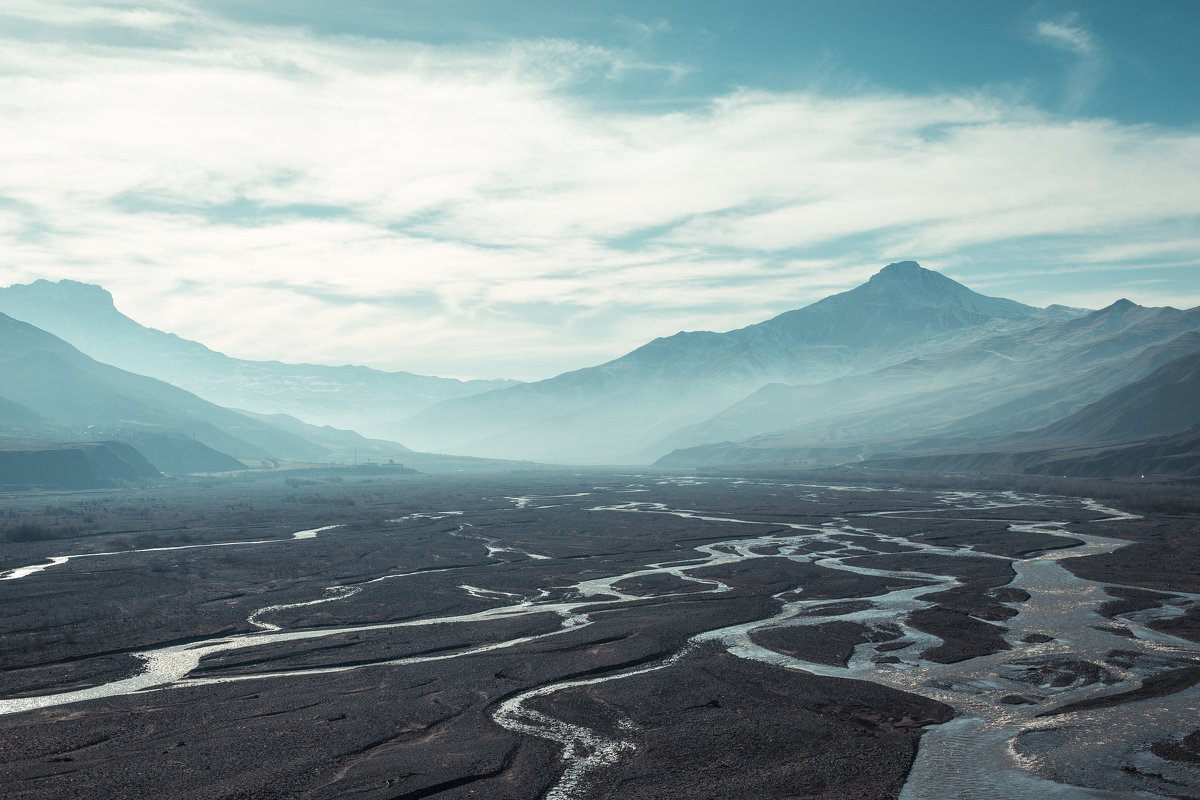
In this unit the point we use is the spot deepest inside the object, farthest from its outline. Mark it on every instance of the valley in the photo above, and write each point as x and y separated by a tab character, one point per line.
467	400
595	633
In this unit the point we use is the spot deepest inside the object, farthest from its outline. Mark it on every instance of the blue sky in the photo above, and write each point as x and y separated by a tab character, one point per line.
516	189
1142	50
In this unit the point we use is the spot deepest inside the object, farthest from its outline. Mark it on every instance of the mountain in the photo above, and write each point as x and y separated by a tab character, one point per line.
1071	390
1165	401
909	365
342	445
42	372
995	385
1173	455
77	397
71	465
1148	426
173	454
623	411
368	400
12	414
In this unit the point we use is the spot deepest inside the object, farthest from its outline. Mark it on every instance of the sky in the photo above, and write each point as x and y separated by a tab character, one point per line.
473	188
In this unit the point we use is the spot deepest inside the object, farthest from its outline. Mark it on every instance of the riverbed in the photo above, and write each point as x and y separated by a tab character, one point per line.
543	610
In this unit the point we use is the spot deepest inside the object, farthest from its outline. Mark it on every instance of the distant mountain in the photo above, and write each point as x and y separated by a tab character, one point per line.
909	366
995	385
364	399
16	414
901	302
1070	390
179	433
1164	402
44	373
173	454
349	448
71	465
342	445
620	411
1170	455
1149	426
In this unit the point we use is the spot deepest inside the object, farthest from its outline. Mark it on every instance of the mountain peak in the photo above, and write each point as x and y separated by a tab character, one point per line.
910	275
904	270
73	294
909	282
913	280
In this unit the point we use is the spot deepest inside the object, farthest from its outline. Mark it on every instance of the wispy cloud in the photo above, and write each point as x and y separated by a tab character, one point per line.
474	187
122	14
645	29
1068	34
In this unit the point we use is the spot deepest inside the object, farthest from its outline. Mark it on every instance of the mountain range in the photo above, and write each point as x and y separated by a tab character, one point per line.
910	359
1148	427
909	365
57	405
368	400
635	408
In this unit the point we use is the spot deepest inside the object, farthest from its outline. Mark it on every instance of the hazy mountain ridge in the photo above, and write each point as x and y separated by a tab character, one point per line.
1148	427
12	413
358	397
42	372
75	394
1148	424
623	411
1166	401
909	364
996	384
78	397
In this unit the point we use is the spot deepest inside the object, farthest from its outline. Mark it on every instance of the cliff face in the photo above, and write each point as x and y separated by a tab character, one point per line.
72	465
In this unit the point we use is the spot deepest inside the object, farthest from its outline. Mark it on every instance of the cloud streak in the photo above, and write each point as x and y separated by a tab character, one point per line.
230	166
1067	34
1083	77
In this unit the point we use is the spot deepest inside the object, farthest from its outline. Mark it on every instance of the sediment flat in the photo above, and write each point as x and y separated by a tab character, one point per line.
584	635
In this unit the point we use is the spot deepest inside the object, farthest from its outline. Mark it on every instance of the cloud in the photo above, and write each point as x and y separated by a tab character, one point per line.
644	29
277	193
1083	77
119	14
1066	33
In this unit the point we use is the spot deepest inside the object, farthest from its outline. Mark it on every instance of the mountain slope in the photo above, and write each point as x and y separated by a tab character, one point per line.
342	445
616	412
71	465
1165	401
1175	455
173	454
44	373
15	414
994	385
355	397
1150	426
